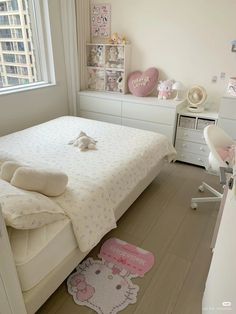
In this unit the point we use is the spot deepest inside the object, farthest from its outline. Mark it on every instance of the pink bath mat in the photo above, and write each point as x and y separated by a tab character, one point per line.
105	285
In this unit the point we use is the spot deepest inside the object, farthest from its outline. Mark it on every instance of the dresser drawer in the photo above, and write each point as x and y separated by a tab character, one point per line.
100	105
100	117
192	158
155	114
196	148
167	130
190	135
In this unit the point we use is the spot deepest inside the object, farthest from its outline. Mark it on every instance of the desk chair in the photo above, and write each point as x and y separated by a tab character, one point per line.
217	140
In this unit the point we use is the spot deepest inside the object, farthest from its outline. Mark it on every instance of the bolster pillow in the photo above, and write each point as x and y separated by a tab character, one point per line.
8	168
45	181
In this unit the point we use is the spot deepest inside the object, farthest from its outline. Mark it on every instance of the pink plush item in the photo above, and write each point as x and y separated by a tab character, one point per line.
226	153
143	83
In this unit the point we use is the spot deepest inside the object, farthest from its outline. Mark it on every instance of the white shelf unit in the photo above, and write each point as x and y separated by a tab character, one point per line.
189	143
108	67
227	115
146	113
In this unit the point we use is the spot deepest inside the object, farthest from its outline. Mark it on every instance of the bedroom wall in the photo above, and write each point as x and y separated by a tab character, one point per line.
24	109
187	40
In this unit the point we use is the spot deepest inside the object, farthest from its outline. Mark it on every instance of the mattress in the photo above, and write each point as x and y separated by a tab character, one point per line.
36	252
45	248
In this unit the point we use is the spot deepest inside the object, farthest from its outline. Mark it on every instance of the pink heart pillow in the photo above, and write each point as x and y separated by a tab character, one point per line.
143	83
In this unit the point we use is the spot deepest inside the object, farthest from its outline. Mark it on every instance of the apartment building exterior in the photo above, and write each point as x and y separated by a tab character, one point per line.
17	58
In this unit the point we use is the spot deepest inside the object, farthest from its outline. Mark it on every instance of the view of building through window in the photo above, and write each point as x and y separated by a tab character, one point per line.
17	59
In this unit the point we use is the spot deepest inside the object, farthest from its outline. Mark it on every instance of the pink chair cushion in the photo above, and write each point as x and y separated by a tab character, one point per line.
226	153
143	83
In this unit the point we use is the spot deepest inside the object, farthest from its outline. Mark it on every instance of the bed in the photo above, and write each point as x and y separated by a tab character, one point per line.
123	165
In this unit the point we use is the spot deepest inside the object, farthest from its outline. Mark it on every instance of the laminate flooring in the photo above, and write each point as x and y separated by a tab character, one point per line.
161	221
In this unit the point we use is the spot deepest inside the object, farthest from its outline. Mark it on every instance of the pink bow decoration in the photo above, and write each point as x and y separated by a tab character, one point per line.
83	290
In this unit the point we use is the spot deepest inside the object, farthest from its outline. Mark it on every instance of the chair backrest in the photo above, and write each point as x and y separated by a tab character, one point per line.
216	139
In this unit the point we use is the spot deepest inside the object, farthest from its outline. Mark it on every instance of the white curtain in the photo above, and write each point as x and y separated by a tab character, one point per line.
83	36
68	18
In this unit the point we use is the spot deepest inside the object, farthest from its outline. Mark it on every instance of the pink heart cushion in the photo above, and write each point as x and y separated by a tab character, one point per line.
143	83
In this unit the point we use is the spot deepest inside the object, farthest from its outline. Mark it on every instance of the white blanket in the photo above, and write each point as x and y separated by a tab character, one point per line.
98	179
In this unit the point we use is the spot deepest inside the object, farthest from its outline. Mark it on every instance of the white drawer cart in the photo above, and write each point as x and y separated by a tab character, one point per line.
227	115
189	143
146	113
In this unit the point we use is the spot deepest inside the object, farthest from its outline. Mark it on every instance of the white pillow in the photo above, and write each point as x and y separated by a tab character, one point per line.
27	210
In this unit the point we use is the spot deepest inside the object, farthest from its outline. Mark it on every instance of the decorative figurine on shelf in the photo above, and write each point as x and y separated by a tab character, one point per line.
112	54
99	81
165	89
93	57
120	52
100	55
120	83
92	80
112	82
116	39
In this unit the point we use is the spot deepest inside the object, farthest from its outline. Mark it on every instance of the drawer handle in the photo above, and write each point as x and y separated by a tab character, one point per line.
202	149
182	155
184	145
199	159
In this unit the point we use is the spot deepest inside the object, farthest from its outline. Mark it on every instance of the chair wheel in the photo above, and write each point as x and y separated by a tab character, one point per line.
194	206
201	188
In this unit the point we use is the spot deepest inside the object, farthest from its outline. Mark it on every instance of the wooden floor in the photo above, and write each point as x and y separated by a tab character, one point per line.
161	221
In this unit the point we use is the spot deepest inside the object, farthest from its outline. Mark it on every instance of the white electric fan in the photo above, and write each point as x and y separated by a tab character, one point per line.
196	98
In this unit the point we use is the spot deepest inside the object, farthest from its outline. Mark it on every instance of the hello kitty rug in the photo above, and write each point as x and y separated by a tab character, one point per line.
105	285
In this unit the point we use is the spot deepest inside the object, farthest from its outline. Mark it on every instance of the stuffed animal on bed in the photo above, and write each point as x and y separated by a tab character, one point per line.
84	142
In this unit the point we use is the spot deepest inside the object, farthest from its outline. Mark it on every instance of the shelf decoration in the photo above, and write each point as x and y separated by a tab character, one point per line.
107	66
143	83
101	20
231	88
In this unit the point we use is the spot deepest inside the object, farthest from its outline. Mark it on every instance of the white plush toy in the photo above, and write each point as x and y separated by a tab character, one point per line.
83	141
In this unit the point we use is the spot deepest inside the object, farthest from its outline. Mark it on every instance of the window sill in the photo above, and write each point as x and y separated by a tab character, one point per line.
24	88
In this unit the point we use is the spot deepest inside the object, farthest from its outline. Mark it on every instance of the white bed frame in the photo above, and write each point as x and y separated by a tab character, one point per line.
12	300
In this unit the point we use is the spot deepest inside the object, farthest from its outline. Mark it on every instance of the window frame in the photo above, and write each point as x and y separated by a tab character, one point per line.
41	32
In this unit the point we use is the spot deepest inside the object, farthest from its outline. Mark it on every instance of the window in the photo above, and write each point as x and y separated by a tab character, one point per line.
17	33
26	52
8	46
21	58
11	69
15	19
9	58
12	81
4	20
5	33
20	46
13	5
3	6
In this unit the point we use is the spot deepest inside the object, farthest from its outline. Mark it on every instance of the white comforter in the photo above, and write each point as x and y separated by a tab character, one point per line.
98	180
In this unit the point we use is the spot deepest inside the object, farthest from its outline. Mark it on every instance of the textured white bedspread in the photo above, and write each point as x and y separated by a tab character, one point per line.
98	179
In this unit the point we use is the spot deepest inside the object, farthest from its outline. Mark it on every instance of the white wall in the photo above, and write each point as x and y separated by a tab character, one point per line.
187	40
24	109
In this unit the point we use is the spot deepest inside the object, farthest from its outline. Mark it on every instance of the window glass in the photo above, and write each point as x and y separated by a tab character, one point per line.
23	54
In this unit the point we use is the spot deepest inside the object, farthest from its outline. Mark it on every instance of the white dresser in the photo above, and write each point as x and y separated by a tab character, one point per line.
146	113
227	115
189	142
